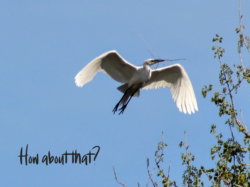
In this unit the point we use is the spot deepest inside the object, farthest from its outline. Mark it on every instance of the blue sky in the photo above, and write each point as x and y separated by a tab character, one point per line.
44	44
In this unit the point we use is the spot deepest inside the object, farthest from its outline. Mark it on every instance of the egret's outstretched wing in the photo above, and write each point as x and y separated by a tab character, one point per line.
111	63
177	79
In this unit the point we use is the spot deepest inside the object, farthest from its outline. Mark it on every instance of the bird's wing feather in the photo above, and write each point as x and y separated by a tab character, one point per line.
112	64
176	78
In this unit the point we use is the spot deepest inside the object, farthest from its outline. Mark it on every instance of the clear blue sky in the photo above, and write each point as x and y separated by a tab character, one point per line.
44	44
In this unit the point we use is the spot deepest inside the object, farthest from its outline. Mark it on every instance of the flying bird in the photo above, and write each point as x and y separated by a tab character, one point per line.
135	78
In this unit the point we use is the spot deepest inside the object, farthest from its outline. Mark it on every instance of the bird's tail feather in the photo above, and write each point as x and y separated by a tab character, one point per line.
128	93
124	87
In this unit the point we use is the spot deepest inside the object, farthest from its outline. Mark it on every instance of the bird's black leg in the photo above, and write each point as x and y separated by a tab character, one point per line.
117	105
124	106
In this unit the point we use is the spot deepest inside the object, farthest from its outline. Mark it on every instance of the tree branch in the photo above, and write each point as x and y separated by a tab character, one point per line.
241	32
150	175
117	179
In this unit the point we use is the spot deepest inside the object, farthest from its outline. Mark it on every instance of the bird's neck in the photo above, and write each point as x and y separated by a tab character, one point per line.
147	70
146	67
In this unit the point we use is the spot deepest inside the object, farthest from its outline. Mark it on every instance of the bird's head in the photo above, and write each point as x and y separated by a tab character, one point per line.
151	62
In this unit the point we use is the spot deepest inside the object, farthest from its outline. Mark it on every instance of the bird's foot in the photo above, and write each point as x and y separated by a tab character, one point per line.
116	108
122	109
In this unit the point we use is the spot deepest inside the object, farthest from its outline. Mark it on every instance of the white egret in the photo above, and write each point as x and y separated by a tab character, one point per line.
135	78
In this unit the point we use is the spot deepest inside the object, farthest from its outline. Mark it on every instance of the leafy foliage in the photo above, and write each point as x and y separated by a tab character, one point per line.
229	153
191	175
159	158
231	168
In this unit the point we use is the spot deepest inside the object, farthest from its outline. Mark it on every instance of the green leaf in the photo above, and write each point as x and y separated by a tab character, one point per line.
181	144
204	93
212	151
210	87
213	156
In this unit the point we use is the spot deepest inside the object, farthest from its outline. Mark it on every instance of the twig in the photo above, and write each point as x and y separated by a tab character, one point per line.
146	43
230	94
241	32
171	61
160	158
223	94
243	123
150	175
222	159
241	61
158	166
231	98
175	59
245	131
186	147
211	180
162	153
117	179
169	168
186	144
151	54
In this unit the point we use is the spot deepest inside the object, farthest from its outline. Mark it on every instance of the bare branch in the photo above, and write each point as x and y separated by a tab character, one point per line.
230	93
243	123
117	179
160	159
186	147
162	153
245	131
169	168
186	143
150	175
241	32
241	61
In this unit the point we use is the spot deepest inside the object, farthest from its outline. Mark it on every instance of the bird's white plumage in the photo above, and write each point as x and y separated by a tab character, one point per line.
112	64
136	78
176	78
